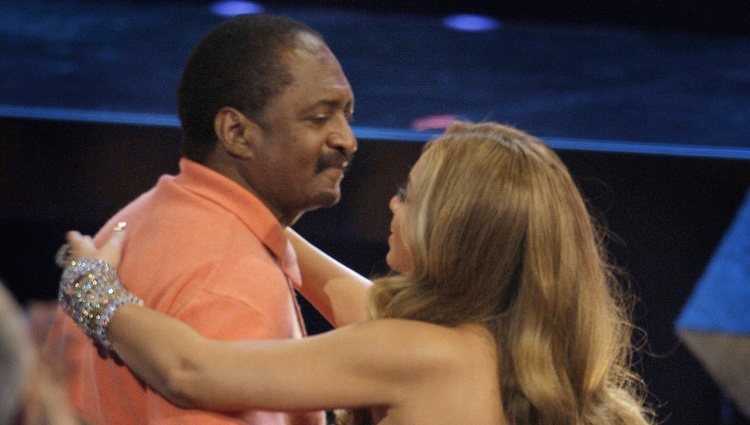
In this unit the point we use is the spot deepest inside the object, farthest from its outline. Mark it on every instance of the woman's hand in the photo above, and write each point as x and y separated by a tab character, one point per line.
83	246
90	291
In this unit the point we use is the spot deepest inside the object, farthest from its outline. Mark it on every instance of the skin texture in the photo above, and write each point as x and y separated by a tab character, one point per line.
399	257
337	292
294	157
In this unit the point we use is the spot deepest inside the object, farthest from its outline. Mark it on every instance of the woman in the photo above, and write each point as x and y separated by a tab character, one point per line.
502	309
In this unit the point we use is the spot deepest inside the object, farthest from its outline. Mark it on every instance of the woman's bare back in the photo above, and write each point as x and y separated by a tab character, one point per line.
466	391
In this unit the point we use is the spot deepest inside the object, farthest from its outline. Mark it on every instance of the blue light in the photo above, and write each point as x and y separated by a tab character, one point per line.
234	8
466	22
383	134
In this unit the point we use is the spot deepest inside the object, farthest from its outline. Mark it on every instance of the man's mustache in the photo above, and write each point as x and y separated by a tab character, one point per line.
335	159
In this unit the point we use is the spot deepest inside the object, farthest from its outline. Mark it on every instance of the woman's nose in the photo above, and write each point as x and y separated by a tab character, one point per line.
393	203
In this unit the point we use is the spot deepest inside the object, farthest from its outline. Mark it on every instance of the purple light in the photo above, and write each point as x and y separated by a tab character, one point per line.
467	22
234	8
433	122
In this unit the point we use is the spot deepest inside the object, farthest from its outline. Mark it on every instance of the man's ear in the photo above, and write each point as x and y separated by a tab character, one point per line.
237	134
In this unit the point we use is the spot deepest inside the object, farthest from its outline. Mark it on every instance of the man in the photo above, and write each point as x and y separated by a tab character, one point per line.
265	111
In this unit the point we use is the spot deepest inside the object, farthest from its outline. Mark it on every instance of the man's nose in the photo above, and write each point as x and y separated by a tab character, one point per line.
343	139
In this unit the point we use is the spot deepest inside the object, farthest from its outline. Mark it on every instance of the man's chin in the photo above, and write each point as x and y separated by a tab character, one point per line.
330	199
326	199
322	199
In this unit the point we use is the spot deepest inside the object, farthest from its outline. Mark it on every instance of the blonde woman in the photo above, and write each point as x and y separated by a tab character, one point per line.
502	309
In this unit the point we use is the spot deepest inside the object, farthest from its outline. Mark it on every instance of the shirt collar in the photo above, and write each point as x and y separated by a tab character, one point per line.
246	206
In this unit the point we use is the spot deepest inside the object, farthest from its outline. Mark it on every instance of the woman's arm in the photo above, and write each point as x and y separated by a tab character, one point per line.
377	363
336	291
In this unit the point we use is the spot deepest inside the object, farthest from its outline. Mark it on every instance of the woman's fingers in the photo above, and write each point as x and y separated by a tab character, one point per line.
111	251
80	245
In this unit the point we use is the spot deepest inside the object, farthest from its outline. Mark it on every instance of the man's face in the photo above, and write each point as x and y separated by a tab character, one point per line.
306	140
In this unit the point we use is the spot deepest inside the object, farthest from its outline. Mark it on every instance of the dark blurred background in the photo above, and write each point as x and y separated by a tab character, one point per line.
647	102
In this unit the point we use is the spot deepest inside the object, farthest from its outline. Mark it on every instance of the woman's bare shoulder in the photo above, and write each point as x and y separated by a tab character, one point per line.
436	371
421	347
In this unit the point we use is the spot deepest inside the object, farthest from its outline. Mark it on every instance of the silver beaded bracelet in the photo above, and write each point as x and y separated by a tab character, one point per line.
90	293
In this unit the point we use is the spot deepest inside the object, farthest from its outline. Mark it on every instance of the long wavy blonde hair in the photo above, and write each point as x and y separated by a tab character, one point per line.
500	235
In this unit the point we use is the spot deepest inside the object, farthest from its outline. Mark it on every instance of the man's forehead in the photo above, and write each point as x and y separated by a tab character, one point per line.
319	71
309	42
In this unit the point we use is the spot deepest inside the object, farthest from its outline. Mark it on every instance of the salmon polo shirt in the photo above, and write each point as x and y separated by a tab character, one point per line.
204	250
